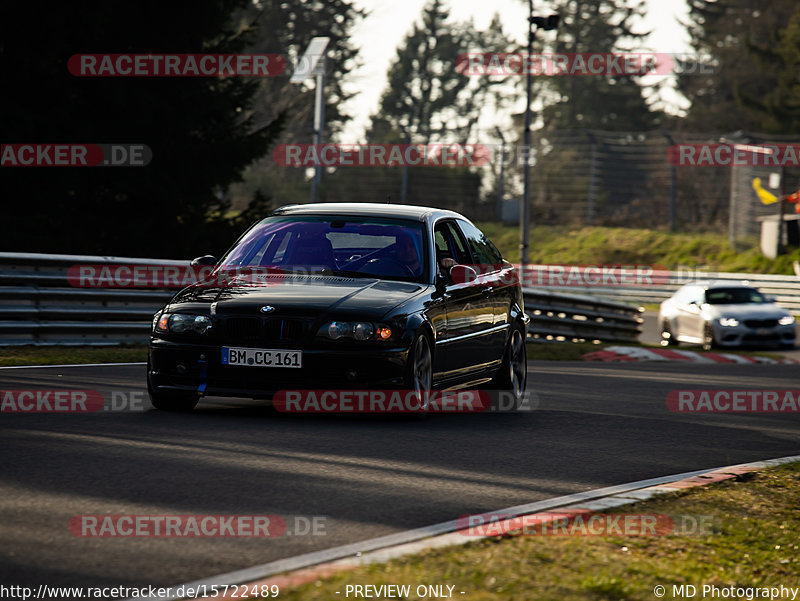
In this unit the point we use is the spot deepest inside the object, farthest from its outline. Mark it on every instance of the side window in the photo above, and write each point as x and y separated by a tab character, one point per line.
441	242
483	250
450	243
461	253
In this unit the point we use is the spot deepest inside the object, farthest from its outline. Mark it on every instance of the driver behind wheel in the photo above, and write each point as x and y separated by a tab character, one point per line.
407	253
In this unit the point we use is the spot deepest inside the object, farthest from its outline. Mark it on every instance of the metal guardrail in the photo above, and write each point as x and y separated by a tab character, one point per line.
562	317
785	288
38	306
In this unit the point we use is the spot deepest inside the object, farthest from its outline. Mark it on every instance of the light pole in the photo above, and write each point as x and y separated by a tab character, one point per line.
319	120
546	23
500	181
311	64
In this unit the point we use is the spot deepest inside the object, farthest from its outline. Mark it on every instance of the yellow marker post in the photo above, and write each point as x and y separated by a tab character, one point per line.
766	197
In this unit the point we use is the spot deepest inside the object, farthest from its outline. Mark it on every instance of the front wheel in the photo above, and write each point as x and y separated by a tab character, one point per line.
709	342
419	370
667	337
513	375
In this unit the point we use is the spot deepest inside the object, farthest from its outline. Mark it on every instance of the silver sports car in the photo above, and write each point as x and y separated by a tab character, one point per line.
724	314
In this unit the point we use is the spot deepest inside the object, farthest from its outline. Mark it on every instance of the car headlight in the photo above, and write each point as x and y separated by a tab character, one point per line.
356	330
180	323
363	330
728	322
786	320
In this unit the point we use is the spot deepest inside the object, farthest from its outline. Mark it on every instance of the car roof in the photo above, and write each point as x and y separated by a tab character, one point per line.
712	284
372	209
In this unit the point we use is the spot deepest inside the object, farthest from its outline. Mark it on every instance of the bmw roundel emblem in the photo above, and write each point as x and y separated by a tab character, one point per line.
267	309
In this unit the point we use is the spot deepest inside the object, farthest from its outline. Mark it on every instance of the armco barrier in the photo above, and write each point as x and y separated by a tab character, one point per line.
39	307
559	316
784	288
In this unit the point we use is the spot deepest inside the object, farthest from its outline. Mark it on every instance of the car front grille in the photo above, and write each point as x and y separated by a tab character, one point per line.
282	329
756	338
243	328
760	323
252	330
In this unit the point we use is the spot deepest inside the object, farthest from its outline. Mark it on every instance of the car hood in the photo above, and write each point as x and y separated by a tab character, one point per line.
747	311
306	295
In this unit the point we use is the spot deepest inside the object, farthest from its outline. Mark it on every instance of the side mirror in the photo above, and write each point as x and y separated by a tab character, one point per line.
461	274
204	260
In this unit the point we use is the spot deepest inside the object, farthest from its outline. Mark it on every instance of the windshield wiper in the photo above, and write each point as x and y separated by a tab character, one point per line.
348	274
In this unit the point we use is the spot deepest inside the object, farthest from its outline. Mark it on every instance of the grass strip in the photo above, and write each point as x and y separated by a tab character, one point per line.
68	355
752	541
596	245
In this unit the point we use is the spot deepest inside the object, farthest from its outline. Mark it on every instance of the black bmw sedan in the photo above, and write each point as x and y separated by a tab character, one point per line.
344	296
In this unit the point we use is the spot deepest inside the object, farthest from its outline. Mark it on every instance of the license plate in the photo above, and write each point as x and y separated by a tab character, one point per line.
763	331
260	357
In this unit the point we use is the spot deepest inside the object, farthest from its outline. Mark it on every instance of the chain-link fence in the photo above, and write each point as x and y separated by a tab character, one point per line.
659	180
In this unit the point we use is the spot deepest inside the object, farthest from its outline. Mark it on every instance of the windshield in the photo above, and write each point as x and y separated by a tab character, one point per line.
734	296
351	246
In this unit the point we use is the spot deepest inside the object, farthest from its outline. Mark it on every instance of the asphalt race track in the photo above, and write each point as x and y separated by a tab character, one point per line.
596	425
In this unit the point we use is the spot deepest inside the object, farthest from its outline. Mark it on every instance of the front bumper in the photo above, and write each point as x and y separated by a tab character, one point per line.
744	336
197	368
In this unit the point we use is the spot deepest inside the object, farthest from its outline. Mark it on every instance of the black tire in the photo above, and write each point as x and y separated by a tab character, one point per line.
419	370
667	339
709	342
513	374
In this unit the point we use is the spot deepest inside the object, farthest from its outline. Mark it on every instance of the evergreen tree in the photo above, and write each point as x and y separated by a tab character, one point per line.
596	101
287	28
575	174
736	38
427	99
777	110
